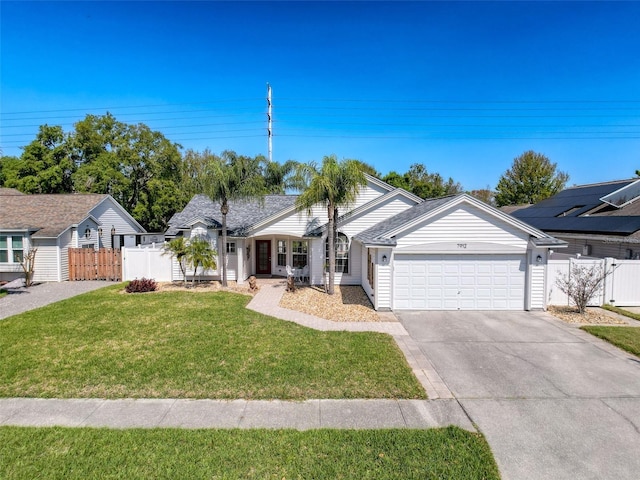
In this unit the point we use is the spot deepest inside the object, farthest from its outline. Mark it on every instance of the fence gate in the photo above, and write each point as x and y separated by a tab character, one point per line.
90	264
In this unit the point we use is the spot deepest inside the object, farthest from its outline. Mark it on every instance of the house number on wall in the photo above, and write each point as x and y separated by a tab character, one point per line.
462	245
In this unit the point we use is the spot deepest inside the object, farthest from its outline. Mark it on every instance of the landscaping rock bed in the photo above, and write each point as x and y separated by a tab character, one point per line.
204	287
347	304
592	316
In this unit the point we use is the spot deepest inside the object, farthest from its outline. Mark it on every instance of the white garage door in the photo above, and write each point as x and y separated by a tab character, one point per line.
458	282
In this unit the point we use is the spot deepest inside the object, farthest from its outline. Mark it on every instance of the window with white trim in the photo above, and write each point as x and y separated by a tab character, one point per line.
11	248
282	253
300	253
231	247
342	253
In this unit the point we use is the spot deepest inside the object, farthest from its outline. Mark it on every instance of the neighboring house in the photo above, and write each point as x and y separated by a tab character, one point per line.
55	223
599	220
448	253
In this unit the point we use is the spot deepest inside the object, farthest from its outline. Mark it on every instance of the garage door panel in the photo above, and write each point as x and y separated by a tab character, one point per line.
467	280
483	293
459	282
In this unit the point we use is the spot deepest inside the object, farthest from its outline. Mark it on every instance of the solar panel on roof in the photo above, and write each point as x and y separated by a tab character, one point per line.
624	195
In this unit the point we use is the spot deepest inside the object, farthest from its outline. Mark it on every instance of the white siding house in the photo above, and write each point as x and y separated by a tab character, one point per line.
447	253
55	223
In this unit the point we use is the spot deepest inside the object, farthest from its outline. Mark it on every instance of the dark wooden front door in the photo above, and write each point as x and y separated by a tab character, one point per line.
263	257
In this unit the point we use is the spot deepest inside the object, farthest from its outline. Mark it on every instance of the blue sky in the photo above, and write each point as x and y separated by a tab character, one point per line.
463	87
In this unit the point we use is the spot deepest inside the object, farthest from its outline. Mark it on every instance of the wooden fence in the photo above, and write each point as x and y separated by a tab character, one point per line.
90	264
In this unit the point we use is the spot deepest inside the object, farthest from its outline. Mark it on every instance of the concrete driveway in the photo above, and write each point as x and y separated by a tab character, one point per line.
553	401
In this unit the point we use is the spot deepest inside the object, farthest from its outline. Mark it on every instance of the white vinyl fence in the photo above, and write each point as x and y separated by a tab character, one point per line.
621	286
147	262
153	262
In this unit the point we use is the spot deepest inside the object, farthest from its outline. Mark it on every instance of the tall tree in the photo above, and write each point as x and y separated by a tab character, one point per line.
420	182
278	176
484	194
334	184
44	166
531	178
232	177
139	167
368	168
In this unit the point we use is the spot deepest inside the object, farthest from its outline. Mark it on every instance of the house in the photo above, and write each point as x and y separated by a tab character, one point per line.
55	223
453	253
597	220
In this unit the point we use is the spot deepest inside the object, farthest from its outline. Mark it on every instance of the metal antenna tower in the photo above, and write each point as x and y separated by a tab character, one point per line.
269	130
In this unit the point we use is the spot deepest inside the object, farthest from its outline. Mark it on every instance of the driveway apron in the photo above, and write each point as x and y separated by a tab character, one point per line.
553	401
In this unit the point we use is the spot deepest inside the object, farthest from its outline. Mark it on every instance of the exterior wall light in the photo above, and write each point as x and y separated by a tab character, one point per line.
384	259
539	259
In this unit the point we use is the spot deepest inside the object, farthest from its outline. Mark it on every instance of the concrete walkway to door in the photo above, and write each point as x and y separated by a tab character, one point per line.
553	401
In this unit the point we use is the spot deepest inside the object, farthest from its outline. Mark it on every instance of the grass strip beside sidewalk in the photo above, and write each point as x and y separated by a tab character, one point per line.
626	338
80	453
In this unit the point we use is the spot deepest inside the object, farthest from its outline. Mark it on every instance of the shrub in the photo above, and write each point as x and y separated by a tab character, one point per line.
141	285
582	284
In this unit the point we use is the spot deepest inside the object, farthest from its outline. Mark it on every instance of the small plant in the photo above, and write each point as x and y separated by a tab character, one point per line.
582	284
27	265
142	285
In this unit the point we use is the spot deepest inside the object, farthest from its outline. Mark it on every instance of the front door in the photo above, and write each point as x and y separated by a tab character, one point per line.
263	257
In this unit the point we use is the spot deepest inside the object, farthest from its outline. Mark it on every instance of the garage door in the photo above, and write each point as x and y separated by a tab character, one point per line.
459	282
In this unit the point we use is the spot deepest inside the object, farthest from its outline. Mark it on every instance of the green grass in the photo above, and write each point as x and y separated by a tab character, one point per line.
65	453
3	293
622	311
627	338
108	344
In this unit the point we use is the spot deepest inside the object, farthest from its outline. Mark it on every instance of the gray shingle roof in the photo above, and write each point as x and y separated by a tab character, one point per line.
10	191
243	214
50	215
377	235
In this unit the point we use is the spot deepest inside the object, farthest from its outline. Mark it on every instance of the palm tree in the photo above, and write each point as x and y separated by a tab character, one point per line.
334	184
232	177
179	249
200	254
278	176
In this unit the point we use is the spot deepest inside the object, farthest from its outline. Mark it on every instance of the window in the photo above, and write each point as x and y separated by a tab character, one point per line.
282	253
4	249
342	253
299	249
231	247
16	246
11	249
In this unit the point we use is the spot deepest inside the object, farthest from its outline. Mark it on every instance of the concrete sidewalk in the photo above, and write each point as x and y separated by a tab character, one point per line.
267	301
179	413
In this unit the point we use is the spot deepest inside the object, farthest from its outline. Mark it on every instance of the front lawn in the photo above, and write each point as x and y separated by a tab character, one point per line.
67	453
626	338
107	344
3	293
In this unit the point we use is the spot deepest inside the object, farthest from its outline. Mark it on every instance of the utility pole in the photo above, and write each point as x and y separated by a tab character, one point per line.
269	130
